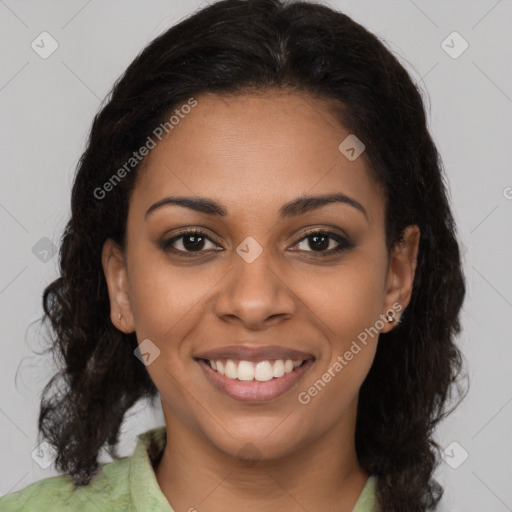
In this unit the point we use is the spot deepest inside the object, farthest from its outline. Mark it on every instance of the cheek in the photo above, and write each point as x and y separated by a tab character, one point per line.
352	314
352	297
350	306
166	306
165	299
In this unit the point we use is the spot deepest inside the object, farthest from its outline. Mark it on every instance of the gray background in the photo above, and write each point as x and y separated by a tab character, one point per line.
46	109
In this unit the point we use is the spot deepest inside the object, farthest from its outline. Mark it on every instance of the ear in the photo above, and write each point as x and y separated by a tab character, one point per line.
116	276
400	277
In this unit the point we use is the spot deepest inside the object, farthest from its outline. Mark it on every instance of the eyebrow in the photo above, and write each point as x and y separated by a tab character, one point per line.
296	207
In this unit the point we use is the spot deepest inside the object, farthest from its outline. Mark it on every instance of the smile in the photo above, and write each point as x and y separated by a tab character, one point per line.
261	371
254	381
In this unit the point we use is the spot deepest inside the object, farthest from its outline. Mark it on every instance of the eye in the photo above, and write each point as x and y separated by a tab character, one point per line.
191	241
322	242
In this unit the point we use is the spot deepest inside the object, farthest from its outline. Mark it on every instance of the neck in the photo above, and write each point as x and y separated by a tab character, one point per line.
322	475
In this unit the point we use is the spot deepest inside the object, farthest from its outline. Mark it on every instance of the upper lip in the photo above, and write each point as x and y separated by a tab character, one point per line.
251	353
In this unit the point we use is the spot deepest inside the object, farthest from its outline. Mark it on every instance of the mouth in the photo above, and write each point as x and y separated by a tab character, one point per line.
254	380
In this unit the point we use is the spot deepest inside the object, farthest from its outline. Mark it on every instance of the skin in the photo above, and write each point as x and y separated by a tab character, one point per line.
254	153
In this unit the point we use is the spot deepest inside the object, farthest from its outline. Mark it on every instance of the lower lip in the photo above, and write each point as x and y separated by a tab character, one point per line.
253	390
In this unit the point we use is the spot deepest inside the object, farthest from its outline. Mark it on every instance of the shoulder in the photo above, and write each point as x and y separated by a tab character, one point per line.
127	484
107	490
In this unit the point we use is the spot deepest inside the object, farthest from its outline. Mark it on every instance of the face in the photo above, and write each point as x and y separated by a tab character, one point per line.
263	278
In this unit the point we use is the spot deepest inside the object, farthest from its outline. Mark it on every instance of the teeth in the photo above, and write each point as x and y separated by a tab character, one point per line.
245	371
260	371
230	370
263	371
278	368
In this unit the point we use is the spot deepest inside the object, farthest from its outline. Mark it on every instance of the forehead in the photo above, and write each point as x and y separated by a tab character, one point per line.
254	152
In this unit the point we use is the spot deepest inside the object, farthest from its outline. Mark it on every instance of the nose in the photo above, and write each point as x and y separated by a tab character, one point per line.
255	294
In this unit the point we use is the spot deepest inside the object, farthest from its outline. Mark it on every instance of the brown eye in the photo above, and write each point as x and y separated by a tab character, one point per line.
194	242
324	242
188	242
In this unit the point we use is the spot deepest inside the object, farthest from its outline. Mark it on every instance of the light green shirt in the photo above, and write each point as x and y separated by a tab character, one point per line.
127	484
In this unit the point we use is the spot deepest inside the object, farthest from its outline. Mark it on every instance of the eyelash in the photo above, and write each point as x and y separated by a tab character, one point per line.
343	242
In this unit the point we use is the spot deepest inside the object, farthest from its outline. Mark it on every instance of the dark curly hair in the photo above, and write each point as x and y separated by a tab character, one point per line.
229	48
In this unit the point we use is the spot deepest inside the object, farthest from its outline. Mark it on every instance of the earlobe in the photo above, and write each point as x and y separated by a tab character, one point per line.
116	276
400	278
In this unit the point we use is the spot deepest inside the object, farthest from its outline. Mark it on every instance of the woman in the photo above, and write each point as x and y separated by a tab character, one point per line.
261	237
